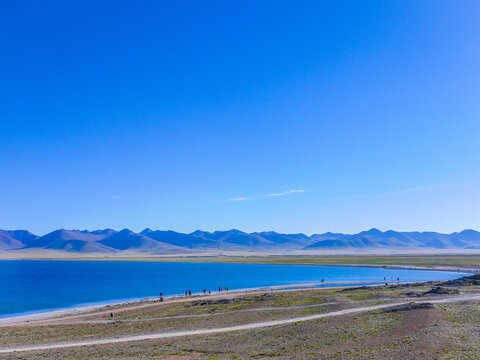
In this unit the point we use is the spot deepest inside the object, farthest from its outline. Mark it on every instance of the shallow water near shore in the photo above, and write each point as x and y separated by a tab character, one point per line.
29	286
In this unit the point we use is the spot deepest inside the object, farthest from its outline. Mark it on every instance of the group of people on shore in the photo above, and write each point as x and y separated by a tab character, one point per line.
225	289
205	291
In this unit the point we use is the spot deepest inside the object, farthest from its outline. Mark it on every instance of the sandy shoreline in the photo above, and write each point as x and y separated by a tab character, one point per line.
77	310
108	306
82	309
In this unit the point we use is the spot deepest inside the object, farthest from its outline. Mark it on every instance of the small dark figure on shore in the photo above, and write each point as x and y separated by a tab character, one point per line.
189	292
204	291
161	294
209	292
161	299
186	292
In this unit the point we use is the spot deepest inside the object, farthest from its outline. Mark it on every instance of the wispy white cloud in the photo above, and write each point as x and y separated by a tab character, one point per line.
240	199
288	192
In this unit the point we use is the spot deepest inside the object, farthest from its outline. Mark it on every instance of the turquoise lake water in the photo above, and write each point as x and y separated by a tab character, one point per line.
28	286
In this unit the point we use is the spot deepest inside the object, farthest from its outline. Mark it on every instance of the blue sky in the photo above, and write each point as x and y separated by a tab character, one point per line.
188	115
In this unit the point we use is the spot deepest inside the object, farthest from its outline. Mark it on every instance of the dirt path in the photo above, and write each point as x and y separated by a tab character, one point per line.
95	310
75	320
106	321
231	328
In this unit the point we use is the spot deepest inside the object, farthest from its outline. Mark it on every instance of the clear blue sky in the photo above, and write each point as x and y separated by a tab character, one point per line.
186	115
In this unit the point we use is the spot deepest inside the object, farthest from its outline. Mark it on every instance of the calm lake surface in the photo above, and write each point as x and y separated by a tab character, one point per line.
28	286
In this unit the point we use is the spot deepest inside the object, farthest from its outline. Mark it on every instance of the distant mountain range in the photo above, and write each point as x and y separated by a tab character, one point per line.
149	241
